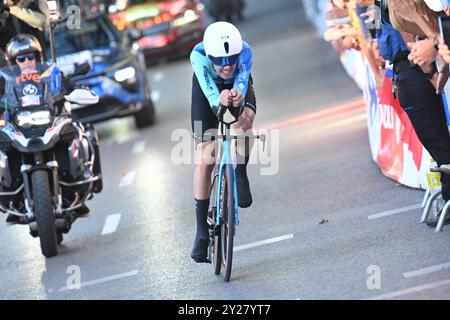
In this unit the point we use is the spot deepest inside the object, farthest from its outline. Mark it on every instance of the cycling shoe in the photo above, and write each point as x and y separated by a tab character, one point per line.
200	251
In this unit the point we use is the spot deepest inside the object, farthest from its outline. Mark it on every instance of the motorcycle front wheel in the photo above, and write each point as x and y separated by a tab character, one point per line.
43	213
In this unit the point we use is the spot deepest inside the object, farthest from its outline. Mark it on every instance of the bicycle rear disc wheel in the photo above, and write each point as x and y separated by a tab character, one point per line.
227	222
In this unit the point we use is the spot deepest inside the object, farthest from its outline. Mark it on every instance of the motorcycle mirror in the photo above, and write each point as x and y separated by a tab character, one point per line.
80	69
82	97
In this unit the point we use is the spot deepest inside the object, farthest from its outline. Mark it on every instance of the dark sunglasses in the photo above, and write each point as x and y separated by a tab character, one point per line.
224	61
30	57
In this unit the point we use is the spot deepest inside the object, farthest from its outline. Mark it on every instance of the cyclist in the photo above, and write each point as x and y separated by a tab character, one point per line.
222	66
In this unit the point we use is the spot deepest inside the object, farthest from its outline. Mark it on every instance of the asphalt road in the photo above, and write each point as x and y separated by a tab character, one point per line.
309	233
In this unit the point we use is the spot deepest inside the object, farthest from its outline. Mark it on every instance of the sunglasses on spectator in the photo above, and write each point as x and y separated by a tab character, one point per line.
224	61
30	57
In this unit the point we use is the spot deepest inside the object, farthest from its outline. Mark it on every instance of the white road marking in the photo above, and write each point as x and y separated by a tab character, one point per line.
103	280
394	211
111	223
264	242
138	147
431	269
127	179
158	76
403	292
156	95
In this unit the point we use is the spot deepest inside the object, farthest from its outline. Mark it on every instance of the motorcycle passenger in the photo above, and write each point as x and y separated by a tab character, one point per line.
222	66
22	17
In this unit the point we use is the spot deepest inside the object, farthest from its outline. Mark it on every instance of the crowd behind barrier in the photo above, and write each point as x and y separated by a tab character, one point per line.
394	144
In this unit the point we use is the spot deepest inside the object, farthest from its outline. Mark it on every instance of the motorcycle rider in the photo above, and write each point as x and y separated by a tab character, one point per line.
25	51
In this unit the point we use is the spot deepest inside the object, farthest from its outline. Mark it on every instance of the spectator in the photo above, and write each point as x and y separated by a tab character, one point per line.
418	84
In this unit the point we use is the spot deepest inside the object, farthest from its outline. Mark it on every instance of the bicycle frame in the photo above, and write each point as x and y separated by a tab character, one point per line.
221	252
226	159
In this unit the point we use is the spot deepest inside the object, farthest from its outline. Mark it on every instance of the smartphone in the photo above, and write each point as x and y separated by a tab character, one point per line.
444	28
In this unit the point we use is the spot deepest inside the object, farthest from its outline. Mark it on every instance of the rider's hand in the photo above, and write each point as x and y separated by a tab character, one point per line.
238	98
9	3
225	98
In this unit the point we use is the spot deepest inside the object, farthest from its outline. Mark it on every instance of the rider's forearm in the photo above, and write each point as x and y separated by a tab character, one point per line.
34	19
241	82
206	82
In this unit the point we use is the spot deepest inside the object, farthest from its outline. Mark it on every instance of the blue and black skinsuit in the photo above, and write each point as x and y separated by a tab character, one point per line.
206	88
207	85
417	96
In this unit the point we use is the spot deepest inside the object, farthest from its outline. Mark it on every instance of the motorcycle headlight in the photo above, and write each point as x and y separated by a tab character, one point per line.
127	74
27	119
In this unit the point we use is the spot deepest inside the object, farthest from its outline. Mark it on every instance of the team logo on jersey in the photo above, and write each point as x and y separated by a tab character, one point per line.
206	75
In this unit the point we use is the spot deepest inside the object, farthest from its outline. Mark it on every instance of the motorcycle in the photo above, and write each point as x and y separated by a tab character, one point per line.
49	164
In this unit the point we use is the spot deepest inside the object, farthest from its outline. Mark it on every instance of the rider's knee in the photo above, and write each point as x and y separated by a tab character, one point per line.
206	155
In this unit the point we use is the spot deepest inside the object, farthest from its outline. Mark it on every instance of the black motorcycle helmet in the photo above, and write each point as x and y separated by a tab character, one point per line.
23	44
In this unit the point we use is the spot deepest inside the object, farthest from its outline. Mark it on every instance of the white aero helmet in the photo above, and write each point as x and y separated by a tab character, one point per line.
223	43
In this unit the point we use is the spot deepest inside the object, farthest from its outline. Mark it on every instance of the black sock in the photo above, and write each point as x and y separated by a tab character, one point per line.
201	212
243	187
199	252
241	167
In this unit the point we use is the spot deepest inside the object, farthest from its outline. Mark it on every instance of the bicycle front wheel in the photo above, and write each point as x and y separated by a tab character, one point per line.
227	221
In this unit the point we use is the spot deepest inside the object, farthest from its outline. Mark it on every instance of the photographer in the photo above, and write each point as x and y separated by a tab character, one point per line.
19	16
